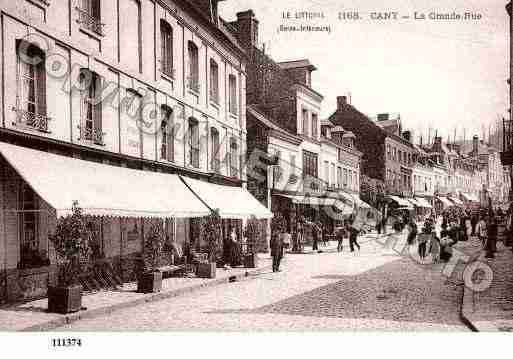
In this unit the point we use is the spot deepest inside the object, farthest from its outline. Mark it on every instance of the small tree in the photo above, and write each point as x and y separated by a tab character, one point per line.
71	241
211	229
153	246
252	234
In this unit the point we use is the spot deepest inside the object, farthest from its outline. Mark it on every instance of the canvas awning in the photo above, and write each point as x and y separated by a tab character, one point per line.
102	189
232	202
423	202
340	204
445	201
469	197
400	201
354	199
456	201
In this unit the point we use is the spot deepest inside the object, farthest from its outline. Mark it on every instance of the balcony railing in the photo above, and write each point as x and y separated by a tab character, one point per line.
31	120
216	165
194	160
89	22
193	84
93	135
168	70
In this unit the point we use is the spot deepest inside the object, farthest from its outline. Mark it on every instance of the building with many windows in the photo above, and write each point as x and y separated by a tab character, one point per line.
138	104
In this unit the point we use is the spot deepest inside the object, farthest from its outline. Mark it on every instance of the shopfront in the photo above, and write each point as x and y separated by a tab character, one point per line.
120	204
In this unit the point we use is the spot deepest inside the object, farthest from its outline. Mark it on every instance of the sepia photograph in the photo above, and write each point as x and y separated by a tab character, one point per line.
254	166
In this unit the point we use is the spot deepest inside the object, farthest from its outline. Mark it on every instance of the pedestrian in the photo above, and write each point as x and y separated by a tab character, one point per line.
300	236
412	232
235	252
276	251
315	237
353	237
481	230
434	249
427	233
340	234
473	222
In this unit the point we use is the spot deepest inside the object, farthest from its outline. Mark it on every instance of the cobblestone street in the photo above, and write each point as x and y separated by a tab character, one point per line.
371	290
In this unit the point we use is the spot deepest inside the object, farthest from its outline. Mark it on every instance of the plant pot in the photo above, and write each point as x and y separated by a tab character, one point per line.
64	300
206	270
251	260
150	282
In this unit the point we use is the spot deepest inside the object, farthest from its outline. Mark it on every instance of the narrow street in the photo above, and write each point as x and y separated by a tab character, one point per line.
374	289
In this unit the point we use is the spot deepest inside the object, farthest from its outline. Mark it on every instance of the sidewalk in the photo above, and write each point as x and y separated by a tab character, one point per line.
32	316
492	309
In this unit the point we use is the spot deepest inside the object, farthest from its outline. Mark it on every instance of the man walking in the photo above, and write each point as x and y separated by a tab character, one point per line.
276	251
353	237
341	233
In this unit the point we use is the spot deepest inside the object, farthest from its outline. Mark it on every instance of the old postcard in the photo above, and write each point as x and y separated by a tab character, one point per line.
255	166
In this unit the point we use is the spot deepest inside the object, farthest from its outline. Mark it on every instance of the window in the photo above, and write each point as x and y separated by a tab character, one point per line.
310	163
345	177
339	177
214	82
400	155
91	107
314	125
166	49
394	154
168	134
327	172
31	87
29	224
277	170
292	171
234	158
332	182
350	177
194	146
304	116
193	79
89	15
232	99
216	163
388	152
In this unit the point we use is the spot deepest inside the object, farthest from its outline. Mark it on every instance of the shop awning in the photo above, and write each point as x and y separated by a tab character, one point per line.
232	202
400	201
469	197
423	202
445	201
102	189
340	204
354	199
456	201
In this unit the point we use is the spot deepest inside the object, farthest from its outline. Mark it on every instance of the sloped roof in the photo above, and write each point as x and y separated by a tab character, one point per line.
294	64
253	111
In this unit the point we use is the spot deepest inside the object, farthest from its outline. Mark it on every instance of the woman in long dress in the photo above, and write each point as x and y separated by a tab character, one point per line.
235	250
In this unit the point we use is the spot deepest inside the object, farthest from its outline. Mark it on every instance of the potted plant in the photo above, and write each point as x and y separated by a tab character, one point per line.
150	278
211	230
252	234
71	242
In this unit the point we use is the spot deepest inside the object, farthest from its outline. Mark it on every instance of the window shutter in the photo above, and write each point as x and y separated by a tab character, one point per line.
170	138
97	113
41	87
96	9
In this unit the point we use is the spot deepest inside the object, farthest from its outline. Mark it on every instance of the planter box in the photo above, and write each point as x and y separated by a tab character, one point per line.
206	270
149	282
64	300
251	261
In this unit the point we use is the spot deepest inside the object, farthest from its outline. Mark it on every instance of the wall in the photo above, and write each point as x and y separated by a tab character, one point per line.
68	42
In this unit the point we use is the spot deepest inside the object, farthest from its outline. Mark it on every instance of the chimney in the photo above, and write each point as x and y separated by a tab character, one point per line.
407	136
341	102
383	116
475	144
247	29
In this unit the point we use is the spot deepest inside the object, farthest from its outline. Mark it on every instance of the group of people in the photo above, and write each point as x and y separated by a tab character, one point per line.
347	231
